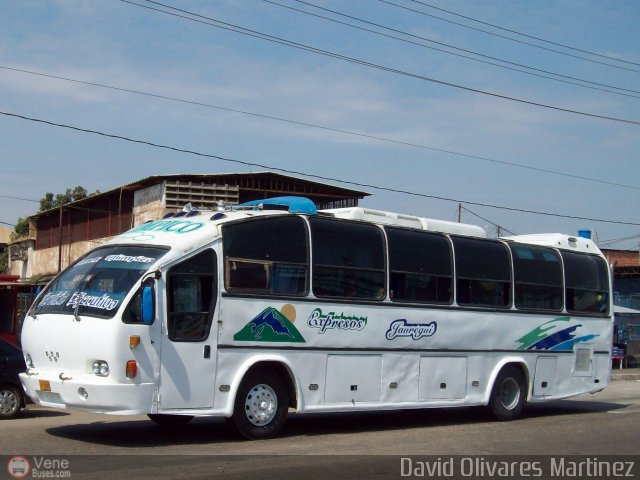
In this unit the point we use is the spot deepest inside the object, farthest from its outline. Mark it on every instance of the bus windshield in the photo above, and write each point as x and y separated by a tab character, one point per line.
97	284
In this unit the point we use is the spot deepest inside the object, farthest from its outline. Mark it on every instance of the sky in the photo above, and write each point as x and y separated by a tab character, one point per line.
505	107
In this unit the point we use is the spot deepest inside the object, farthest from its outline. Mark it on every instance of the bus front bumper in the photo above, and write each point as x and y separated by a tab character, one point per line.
89	394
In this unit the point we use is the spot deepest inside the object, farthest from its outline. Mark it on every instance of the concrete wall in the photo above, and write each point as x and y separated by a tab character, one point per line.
45	261
148	204
5	235
20	253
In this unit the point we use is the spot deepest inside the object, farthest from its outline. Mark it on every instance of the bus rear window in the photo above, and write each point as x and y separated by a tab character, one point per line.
586	283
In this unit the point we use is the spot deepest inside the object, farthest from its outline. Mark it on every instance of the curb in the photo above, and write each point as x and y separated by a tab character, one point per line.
624	376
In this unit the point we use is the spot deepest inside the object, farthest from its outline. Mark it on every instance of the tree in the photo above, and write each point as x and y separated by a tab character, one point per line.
50	200
4	261
21	229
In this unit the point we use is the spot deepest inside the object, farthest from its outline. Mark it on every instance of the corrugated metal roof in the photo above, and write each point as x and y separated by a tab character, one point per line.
153	179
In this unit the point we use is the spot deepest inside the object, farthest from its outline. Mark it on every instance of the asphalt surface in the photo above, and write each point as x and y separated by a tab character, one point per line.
335	446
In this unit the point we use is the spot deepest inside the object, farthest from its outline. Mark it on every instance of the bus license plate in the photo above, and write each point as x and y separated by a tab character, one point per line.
45	385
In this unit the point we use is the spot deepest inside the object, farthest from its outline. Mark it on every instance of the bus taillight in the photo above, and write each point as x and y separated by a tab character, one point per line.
132	369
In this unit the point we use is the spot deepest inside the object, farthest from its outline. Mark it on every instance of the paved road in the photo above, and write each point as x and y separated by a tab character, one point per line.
341	445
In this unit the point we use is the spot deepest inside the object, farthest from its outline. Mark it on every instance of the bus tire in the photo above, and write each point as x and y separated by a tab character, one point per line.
10	401
261	405
169	421
508	394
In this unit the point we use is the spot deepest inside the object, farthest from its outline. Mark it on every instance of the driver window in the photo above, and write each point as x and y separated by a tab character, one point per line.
191	296
132	313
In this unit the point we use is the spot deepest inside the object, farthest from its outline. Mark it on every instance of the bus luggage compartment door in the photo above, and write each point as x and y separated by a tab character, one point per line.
545	377
353	378
442	378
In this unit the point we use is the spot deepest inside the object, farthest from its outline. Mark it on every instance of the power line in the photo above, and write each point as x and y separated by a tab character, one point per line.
321	127
511	39
65	205
270	38
606	243
294	172
489	221
534	69
10	224
526	35
19	198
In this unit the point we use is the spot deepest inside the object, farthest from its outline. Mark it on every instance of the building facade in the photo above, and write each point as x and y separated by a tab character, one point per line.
626	277
59	236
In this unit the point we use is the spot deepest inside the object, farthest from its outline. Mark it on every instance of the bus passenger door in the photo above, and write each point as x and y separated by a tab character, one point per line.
188	350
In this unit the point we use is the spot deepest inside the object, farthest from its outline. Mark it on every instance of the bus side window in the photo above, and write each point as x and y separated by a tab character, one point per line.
483	272
266	256
420	266
348	259
586	283
537	277
191	295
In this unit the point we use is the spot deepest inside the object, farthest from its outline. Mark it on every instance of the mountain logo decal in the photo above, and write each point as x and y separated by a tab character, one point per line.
270	325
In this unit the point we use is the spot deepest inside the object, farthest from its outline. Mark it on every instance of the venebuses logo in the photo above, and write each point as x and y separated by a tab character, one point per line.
18	467
39	467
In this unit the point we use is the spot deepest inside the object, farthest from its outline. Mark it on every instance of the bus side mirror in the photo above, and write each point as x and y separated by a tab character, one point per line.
148	313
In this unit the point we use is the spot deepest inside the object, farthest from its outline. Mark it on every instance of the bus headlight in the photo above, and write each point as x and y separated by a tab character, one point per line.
101	368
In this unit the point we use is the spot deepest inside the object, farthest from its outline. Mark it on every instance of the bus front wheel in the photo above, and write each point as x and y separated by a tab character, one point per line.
508	394
261	405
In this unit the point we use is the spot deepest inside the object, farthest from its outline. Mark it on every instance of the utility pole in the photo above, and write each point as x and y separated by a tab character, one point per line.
459	213
60	242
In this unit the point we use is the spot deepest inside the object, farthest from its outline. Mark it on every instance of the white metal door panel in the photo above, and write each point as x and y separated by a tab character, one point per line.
442	378
545	378
353	378
186	377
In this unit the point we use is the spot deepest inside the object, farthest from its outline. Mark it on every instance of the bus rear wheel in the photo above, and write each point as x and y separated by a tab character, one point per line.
261	405
508	394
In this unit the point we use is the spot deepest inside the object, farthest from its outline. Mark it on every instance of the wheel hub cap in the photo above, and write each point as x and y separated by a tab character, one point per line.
261	405
509	393
8	402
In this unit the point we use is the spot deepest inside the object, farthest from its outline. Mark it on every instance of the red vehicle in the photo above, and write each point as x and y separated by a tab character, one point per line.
15	299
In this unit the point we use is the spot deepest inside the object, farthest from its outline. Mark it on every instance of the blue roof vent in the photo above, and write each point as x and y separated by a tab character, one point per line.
291	204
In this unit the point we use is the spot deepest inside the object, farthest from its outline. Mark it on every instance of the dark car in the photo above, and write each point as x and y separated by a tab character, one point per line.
12	397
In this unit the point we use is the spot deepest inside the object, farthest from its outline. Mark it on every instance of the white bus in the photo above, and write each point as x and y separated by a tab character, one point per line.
251	312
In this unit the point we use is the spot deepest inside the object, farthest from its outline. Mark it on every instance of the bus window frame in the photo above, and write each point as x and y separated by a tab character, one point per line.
270	266
384	271
170	299
509	284
561	309
608	291
390	271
